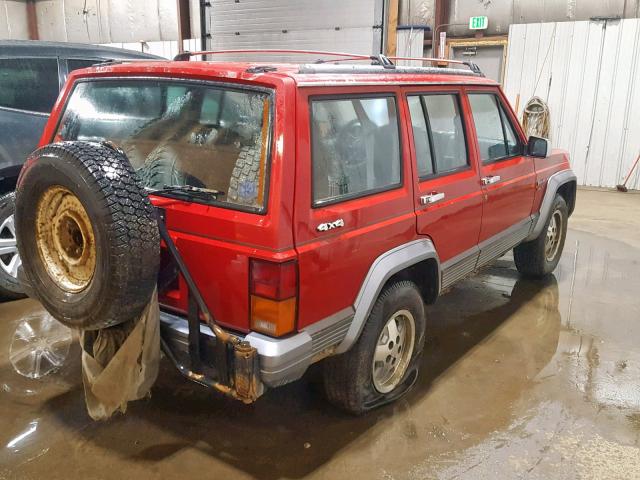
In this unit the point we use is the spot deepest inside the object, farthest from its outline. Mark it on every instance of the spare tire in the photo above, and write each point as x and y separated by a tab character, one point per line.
87	234
161	169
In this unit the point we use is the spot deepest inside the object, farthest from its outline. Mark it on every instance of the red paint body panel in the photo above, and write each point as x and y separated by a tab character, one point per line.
217	243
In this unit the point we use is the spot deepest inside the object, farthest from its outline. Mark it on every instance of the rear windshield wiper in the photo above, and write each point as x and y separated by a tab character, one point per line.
189	190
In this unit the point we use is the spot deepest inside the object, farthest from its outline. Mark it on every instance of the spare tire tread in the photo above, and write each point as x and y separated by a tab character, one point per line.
128	218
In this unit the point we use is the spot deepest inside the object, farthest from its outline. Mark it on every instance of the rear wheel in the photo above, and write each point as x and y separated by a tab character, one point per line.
87	234
9	257
541	255
383	364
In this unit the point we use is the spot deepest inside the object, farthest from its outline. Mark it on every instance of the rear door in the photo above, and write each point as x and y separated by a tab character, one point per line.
353	192
507	175
448	201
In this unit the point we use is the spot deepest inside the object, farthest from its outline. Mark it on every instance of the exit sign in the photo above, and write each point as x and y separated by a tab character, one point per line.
478	23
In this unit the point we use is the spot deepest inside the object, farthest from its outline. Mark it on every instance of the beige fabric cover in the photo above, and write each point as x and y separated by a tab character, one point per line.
126	363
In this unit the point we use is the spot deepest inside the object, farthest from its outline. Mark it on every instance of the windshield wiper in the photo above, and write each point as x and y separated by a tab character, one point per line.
189	190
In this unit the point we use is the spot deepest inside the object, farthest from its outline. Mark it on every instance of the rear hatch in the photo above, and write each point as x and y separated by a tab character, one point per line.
203	152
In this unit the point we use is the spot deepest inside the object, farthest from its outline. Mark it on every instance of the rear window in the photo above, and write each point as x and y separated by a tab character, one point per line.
180	134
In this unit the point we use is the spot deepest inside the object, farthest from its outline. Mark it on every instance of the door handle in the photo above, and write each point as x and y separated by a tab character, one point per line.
431	198
490	180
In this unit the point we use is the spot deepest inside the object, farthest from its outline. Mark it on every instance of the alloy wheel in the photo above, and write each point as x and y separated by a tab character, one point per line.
9	256
554	235
393	351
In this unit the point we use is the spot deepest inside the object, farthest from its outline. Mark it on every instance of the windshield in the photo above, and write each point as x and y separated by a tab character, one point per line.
179	134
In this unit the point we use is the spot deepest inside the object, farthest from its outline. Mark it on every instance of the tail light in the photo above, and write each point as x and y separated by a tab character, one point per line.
274	290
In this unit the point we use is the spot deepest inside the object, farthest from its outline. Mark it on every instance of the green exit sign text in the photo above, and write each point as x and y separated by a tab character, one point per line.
478	23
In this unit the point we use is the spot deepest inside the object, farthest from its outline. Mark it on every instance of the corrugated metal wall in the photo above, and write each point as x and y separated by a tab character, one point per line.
410	43
165	48
305	25
589	74
102	21
13	20
96	21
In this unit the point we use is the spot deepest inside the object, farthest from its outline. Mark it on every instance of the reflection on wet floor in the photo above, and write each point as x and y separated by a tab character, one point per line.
520	379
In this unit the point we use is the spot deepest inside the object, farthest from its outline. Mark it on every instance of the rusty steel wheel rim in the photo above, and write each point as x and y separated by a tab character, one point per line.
554	235
393	351
65	239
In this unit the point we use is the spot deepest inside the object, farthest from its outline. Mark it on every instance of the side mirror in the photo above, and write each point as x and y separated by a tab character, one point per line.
537	147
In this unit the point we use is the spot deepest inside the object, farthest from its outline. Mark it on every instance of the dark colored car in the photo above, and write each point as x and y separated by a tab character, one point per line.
31	76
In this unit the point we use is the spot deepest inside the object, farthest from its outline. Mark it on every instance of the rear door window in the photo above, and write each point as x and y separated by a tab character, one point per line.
355	147
497	138
438	134
29	83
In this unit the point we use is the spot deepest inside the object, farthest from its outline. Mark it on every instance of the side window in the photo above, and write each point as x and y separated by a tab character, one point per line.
438	133
496	136
355	147
29	83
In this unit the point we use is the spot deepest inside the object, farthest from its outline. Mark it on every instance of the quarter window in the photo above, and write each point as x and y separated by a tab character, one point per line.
438	133
355	147
497	138
29	83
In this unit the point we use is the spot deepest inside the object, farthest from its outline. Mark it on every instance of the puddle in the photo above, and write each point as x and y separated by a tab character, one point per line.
520	379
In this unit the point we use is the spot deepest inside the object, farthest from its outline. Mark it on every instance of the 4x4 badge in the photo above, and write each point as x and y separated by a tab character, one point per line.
323	227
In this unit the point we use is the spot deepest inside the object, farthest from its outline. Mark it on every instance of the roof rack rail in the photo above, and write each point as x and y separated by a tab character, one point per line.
378	59
353	56
472	66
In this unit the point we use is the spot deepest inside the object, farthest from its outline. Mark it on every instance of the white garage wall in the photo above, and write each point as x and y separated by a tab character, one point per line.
589	74
13	20
165	48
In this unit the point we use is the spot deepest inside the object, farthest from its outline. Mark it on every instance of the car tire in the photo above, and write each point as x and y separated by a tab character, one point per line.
87	234
540	256
10	288
355	381
245	177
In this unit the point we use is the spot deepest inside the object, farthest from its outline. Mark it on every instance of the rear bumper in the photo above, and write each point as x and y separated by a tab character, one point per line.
281	360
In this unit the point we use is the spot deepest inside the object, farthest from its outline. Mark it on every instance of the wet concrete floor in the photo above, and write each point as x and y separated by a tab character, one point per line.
520	379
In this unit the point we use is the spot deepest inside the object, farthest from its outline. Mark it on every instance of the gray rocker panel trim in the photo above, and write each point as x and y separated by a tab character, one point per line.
488	250
553	184
385	266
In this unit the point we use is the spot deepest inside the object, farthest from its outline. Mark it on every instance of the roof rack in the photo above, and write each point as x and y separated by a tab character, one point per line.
378	60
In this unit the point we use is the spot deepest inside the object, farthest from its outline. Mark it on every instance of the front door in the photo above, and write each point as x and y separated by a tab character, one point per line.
448	200
507	175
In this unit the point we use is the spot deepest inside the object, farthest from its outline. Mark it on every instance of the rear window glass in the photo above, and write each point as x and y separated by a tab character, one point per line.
180	134
355	147
29	83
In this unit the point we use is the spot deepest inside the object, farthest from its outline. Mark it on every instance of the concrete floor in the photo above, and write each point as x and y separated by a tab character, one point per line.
520	380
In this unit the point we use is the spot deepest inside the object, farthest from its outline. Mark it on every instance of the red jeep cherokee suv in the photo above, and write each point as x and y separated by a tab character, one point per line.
306	212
